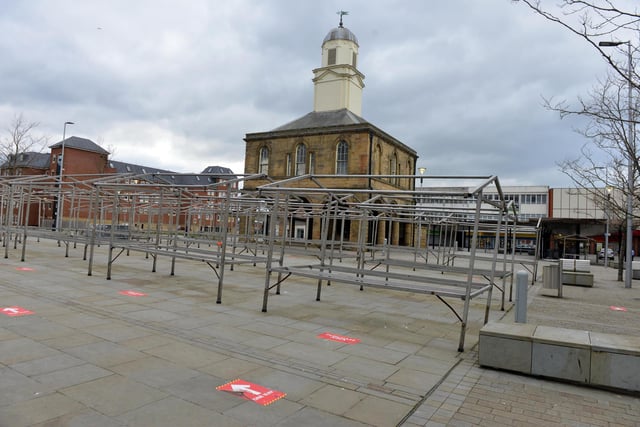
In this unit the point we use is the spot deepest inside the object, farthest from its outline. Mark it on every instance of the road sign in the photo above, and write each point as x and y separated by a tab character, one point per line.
616	308
15	311
254	392
338	338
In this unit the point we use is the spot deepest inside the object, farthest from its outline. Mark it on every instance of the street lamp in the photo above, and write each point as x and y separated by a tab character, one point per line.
422	170
606	233
59	208
632	153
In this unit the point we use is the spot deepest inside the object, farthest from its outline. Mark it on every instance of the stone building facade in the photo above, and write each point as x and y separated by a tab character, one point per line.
334	139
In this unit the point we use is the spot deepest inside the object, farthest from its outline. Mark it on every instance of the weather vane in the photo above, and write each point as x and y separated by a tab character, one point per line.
341	13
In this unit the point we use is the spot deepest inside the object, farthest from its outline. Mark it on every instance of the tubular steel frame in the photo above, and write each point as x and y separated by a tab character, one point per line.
377	238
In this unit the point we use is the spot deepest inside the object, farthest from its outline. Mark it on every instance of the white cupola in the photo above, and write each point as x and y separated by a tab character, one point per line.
338	83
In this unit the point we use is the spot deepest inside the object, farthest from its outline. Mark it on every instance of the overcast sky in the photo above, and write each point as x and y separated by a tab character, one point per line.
177	84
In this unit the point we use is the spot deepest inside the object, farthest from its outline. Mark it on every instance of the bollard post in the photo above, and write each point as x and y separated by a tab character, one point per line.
522	279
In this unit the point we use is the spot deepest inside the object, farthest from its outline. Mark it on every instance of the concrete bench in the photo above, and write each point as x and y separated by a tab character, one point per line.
582	265
576	272
577	278
590	358
635	267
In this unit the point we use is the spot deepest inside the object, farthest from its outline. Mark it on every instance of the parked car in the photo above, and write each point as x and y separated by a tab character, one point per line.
528	249
610	253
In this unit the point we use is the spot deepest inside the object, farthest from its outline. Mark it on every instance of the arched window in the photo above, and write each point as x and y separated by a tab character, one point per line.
301	158
377	166
263	166
342	158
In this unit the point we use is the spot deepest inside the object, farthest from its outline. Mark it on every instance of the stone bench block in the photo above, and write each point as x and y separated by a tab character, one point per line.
576	278
635	267
583	265
506	346
561	353
615	361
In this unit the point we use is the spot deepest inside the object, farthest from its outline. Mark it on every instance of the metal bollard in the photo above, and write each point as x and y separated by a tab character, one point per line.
522	279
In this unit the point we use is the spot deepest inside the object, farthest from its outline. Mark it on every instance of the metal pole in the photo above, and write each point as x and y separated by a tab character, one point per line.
522	279
606	233
630	176
59	211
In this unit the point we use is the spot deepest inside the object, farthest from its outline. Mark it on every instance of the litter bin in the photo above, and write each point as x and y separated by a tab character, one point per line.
552	279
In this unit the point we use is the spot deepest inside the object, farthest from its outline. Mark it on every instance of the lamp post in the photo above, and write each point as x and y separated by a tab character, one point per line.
59	207
606	232
632	153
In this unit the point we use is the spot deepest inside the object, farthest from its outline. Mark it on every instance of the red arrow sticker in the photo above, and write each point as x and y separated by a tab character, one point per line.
616	308
254	392
24	268
133	293
338	338
16	311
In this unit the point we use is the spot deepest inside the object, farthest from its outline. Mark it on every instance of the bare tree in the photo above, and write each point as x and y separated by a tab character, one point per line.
594	21
20	140
601	166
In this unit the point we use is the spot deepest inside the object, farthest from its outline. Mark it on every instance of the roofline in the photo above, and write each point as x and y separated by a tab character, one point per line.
327	130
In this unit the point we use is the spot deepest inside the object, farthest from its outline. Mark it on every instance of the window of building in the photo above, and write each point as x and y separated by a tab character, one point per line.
354	60
301	157
331	59
288	165
393	167
342	158
263	166
378	161
312	163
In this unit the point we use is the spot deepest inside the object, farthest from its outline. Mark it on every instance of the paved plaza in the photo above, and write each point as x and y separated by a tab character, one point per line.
154	349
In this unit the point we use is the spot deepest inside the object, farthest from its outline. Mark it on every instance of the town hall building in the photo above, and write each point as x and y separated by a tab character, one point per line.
333	139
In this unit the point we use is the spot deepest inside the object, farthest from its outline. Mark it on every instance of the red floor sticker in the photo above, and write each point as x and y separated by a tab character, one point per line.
338	338
16	311
133	293
616	308
256	393
24	268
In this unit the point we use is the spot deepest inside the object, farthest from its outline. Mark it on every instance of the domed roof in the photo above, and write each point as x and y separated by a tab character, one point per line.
340	33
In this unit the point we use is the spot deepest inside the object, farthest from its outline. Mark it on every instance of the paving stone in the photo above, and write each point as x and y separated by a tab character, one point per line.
230	368
353	366
332	399
310	353
154	371
23	349
16	387
248	412
37	410
185	354
311	417
47	364
62	378
172	412
84	418
105	353
376	411
117	332
113	395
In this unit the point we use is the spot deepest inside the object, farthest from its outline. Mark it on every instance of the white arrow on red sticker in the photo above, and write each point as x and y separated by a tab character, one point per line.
15	311
243	388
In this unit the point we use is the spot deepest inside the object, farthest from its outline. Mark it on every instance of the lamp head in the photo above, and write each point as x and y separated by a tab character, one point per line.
610	44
